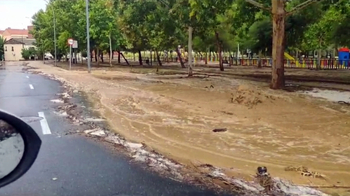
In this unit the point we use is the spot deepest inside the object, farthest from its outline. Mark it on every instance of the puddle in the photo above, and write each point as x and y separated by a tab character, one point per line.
330	95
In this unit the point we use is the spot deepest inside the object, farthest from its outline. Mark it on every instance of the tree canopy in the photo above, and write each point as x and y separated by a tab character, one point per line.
219	25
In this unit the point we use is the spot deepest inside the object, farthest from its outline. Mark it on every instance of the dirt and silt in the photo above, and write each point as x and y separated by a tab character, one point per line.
176	116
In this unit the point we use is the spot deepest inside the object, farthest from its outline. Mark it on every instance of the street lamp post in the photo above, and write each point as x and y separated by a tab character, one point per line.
54	34
88	37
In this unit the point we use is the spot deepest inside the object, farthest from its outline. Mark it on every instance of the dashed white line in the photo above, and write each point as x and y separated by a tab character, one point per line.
31	86
27	76
44	125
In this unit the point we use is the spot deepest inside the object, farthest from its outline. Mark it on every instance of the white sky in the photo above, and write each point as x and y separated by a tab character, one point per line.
17	14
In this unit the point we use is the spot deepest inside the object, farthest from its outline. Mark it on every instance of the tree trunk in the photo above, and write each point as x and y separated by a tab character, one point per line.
101	56
150	59
206	58
110	50
260	59
119	53
318	65
180	58
95	52
278	20
158	59
98	56
140	58
75	56
166	55
231	59
190	54
209	52
218	43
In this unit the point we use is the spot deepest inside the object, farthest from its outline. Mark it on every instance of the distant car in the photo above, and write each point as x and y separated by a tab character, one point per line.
47	57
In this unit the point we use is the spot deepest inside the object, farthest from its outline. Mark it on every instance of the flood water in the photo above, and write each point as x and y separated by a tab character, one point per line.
330	95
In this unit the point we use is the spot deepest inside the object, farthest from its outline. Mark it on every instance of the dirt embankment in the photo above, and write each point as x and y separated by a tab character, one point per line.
254	126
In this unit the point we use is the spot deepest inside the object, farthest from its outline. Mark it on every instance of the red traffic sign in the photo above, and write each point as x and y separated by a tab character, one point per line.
70	41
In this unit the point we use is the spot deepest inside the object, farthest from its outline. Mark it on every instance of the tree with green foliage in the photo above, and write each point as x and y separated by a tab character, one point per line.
264	26
208	17
279	15
28	53
2	52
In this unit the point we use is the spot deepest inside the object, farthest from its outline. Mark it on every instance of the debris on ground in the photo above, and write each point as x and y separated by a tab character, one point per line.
57	100
248	97
304	171
220	130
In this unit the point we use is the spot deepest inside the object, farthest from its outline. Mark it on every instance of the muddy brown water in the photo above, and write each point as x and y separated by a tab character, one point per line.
264	127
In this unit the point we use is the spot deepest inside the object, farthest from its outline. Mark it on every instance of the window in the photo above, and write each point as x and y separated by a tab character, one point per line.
13	49
5	48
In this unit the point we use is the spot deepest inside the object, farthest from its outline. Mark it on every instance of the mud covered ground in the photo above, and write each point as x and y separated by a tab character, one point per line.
228	120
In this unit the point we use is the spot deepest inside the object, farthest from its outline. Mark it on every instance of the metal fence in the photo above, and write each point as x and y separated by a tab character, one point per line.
302	64
305	63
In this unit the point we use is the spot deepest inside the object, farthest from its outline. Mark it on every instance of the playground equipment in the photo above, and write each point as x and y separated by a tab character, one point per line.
289	57
344	54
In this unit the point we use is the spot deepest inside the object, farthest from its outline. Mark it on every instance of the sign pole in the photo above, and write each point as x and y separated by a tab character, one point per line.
70	43
70	57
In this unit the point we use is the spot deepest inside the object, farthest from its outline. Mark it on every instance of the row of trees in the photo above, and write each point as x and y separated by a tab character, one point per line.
118	25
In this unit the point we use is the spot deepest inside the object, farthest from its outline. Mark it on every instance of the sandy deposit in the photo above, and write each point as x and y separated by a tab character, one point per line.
175	116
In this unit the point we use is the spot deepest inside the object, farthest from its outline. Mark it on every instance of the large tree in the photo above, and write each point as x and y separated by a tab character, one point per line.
279	14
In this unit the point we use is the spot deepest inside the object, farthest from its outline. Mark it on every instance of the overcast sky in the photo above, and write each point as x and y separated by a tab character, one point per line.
17	13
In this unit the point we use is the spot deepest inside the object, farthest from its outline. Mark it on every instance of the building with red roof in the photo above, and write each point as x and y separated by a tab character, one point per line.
10	33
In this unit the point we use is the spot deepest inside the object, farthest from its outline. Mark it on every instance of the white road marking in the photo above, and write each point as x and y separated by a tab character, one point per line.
27	76
44	125
31	86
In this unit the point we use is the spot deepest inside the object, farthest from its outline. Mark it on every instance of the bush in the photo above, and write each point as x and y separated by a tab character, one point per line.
28	53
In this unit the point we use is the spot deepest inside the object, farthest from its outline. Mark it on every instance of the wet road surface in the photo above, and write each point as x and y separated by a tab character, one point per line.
73	165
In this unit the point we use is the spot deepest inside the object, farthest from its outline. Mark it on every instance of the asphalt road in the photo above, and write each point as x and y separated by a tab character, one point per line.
73	165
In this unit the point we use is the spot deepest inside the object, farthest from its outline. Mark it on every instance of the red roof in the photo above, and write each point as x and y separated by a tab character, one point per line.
344	50
17	31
